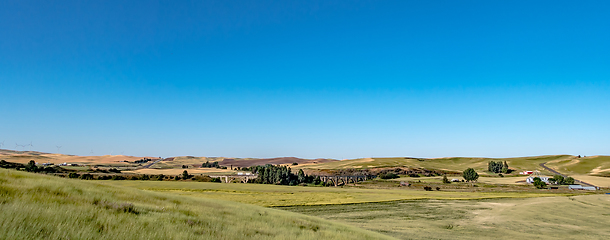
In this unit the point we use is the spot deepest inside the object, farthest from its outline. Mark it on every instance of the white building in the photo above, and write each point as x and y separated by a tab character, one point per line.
530	179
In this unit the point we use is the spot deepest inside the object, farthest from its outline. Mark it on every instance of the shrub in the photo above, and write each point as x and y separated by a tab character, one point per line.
445	179
438	188
427	188
117	177
73	175
388	176
86	176
538	183
470	175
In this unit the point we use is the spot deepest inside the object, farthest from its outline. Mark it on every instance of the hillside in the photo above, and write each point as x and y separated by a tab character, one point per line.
34	206
457	164
41	157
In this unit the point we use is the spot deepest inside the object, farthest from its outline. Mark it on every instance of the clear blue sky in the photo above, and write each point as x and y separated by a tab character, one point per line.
309	79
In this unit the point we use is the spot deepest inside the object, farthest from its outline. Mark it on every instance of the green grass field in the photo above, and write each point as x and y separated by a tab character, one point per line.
577	217
595	165
34	206
276	195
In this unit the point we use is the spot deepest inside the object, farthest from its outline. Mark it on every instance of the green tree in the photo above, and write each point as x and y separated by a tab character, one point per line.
569	181
470	175
185	175
557	179
445	179
31	167
538	183
301	176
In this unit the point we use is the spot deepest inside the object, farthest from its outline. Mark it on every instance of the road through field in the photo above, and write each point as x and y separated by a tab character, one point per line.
558	173
148	165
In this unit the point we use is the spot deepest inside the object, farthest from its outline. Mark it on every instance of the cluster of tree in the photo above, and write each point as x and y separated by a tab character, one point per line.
560	180
101	170
470	175
280	175
31	167
143	160
389	175
497	167
207	164
538	183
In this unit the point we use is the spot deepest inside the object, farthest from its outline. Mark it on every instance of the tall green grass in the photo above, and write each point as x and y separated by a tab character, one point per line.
36	206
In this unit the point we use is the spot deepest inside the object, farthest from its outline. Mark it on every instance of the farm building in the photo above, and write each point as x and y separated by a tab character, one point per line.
580	187
530	179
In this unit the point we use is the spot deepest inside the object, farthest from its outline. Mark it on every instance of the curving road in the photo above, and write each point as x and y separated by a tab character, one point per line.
558	173
150	164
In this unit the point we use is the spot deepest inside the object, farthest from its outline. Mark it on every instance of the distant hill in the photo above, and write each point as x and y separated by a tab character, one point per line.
594	165
41	157
235	162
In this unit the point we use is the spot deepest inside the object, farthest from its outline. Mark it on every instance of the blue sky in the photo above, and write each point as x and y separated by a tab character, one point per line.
309	79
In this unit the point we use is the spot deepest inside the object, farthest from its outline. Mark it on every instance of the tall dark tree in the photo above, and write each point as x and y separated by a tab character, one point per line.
301	176
31	167
470	175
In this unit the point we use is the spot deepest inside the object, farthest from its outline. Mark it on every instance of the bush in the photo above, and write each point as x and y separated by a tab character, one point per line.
538	183
388	176
427	188
185	175
117	177
73	175
470	175
86	176
438	188
445	179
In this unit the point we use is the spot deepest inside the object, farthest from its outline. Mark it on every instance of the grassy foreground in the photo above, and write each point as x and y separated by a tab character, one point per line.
575	217
36	206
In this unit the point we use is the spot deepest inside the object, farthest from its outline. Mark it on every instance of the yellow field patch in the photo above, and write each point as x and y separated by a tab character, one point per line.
178	171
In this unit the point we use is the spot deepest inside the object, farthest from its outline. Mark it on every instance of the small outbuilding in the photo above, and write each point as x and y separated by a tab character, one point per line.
580	187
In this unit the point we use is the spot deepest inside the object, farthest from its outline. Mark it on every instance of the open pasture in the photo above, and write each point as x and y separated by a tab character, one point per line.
34	206
488	180
276	195
560	217
594	165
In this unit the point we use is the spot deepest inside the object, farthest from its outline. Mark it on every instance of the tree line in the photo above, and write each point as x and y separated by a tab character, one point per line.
281	175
